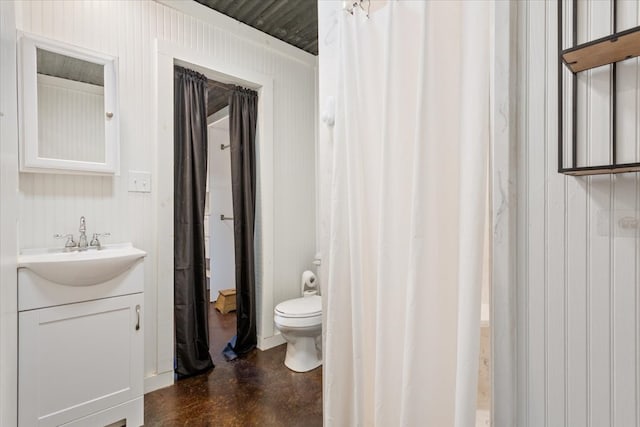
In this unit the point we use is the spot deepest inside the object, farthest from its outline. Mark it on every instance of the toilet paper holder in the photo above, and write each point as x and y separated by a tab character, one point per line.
309	280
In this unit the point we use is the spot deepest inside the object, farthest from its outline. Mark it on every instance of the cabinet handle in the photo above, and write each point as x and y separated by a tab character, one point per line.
138	314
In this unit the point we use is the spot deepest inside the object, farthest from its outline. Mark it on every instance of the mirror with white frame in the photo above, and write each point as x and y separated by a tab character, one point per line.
69	109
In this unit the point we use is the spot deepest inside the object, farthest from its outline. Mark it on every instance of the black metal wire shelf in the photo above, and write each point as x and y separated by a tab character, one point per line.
608	50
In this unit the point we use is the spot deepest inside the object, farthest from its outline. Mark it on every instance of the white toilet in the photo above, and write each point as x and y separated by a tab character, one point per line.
299	321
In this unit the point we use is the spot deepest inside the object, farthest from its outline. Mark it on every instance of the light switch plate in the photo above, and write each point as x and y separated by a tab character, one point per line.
140	182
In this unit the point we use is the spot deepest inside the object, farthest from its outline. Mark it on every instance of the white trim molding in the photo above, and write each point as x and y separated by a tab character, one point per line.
8	218
504	216
156	382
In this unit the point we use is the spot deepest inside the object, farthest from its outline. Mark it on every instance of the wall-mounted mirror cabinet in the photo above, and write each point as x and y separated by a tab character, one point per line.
69	120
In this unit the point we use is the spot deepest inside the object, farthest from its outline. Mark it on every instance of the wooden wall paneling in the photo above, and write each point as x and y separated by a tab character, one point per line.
578	303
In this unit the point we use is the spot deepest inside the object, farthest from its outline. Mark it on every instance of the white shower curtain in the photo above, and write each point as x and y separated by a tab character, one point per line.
408	206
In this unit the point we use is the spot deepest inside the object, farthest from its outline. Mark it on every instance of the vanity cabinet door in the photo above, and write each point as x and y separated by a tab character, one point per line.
78	359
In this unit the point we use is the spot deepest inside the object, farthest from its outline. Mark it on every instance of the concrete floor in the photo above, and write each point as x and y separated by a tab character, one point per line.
256	390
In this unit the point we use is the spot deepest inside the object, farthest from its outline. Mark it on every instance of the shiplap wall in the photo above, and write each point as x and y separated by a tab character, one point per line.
127	29
578	271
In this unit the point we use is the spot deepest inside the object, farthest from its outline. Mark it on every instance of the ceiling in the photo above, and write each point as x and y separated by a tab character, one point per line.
58	65
292	21
217	96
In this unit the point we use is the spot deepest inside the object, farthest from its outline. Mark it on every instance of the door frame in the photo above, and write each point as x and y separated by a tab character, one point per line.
8	217
503	187
169	54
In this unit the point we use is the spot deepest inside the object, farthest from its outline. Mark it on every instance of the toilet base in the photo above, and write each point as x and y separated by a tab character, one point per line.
302	353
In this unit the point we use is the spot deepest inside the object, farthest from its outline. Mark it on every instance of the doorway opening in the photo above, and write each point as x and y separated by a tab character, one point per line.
219	234
169	56
223	179
483	404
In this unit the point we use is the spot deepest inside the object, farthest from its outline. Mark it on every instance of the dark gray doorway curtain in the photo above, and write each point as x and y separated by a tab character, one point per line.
243	113
190	175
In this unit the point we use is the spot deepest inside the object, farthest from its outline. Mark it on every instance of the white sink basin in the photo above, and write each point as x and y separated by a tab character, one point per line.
81	268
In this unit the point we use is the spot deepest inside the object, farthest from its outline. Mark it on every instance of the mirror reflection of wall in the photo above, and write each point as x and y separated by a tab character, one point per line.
71	108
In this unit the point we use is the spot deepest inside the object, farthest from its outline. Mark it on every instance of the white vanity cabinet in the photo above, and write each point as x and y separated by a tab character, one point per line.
81	351
79	359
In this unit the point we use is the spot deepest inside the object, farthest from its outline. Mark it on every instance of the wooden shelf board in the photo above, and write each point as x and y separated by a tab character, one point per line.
602	170
609	49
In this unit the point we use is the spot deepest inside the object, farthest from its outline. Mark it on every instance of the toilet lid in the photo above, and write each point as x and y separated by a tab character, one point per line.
300	307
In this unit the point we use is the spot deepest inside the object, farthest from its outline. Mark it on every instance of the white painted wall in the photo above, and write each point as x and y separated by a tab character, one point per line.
328	47
578	272
8	218
221	239
127	29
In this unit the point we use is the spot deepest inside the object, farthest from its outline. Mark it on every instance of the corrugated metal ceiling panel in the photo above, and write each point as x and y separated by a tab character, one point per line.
292	21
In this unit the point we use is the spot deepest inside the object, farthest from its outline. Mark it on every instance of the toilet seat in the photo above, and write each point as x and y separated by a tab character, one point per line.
300	307
299	312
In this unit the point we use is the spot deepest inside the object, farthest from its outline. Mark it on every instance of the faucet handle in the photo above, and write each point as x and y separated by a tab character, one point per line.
95	241
70	243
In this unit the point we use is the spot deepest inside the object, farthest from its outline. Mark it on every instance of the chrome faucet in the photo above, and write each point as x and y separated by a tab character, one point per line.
95	242
83	244
82	239
70	244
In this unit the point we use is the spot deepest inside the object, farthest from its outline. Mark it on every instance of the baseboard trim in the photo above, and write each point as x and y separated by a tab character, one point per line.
270	342
158	381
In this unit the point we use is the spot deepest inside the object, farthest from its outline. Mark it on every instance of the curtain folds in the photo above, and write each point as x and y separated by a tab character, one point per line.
243	115
190	175
408	208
